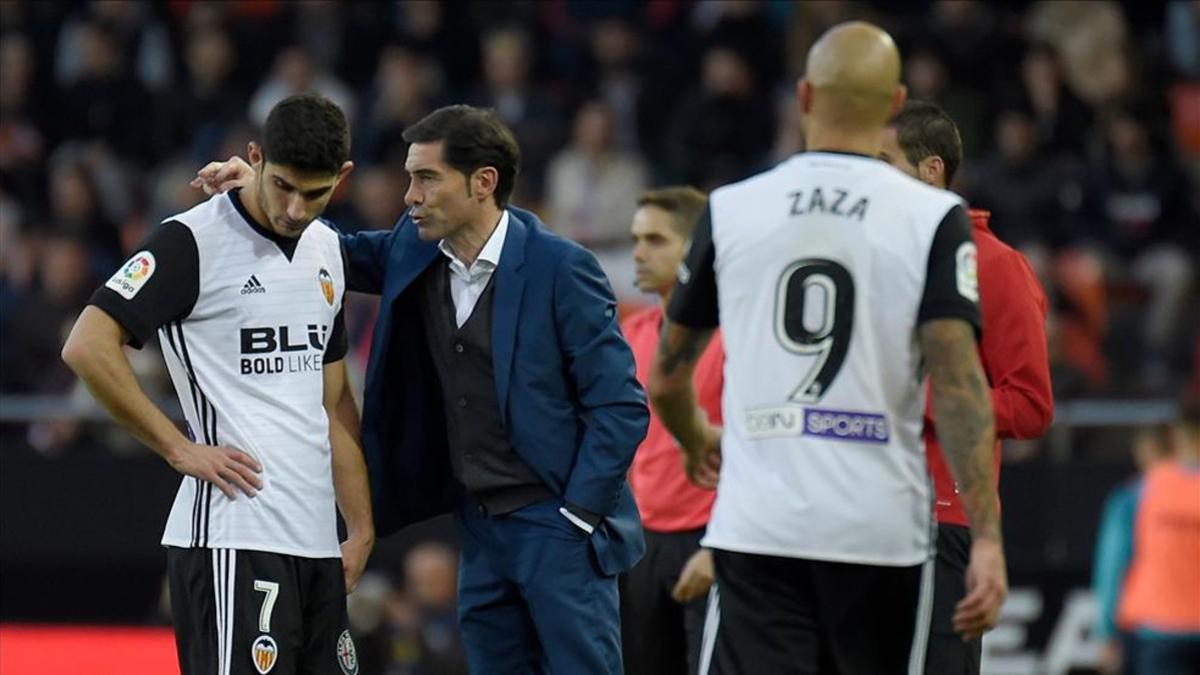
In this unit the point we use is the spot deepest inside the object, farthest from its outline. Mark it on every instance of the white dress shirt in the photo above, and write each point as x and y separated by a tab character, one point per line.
468	283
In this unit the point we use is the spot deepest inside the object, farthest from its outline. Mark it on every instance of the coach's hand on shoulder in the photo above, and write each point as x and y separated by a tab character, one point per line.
703	465
987	587
355	551
219	177
227	468
696	577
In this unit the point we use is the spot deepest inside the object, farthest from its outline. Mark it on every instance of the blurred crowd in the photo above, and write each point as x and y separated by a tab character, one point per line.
1080	121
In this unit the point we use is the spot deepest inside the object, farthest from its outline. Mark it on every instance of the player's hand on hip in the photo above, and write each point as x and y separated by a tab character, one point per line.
987	587
704	467
355	552
227	468
696	577
219	177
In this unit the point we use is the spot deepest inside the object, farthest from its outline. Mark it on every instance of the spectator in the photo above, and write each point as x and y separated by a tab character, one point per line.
591	193
1025	191
295	73
64	281
615	51
1136	210
1158	600
403	92
592	187
1114	547
197	115
142	41
103	102
22	118
1062	120
431	580
528	110
724	129
76	211
928	79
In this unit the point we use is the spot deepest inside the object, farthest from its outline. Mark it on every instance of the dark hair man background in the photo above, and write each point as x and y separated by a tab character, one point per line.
922	141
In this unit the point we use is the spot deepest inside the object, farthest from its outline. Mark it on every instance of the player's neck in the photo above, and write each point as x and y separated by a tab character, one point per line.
822	137
249	198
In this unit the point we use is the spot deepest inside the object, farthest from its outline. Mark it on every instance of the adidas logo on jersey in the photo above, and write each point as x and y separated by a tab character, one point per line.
253	285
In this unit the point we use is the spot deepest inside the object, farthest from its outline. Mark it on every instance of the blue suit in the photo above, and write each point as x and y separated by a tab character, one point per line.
573	411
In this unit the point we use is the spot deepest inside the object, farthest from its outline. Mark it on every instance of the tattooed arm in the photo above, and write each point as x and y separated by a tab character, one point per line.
965	424
966	427
674	399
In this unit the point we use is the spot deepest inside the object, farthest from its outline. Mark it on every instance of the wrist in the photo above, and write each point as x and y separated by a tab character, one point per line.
173	449
364	536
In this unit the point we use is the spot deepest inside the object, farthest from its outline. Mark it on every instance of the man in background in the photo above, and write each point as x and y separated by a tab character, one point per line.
1160	602
923	142
662	597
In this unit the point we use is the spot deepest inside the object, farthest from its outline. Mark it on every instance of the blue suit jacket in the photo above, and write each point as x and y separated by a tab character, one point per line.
565	381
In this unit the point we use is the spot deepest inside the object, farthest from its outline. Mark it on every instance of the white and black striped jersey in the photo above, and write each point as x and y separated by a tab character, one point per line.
820	271
246	320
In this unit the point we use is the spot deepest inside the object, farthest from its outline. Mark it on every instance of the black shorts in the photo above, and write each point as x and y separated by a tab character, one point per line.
794	616
947	653
242	612
659	636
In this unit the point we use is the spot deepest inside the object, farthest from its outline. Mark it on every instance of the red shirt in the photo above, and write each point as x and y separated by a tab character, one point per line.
666	499
1013	351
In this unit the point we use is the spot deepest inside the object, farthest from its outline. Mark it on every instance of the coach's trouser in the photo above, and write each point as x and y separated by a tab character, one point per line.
531	598
790	616
661	636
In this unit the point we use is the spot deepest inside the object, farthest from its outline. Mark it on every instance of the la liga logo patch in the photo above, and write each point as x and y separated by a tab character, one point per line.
265	653
326	285
967	272
133	275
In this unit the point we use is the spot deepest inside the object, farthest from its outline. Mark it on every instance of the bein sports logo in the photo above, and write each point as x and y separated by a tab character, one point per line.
837	425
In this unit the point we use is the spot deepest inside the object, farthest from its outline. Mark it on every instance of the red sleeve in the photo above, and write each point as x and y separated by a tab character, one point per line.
1014	347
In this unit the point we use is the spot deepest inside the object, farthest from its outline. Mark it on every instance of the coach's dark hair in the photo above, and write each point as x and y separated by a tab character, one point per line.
472	138
924	130
308	133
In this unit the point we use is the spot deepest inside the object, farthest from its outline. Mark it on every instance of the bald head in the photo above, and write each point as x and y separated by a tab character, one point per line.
853	77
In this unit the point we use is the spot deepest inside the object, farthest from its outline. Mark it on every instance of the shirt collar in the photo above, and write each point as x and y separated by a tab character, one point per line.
490	253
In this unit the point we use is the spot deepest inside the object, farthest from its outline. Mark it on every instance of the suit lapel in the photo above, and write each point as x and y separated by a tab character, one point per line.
510	284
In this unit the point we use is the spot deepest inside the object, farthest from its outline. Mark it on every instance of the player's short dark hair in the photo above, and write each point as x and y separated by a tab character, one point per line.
308	133
684	202
924	130
472	138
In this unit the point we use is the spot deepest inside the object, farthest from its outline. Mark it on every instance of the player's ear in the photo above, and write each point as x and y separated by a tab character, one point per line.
804	95
347	167
254	153
932	170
